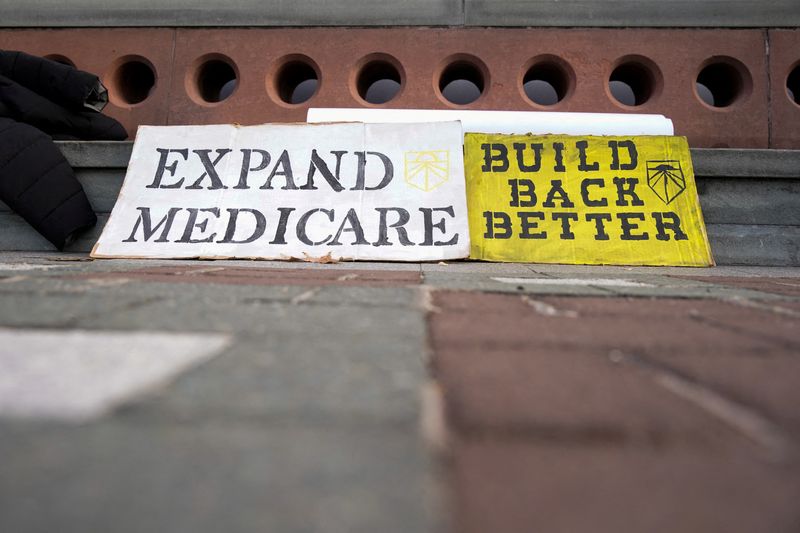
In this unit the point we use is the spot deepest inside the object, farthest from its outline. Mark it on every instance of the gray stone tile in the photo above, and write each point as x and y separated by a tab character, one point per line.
49	309
405	297
236	476
44	13
460	267
766	272
307	366
627	13
485	282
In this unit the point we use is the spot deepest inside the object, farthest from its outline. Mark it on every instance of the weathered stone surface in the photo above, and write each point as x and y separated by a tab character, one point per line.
746	163
776	285
18	235
97	154
515	486
744	201
229	475
739	244
264	276
307	422
630	13
561	408
571	13
243	13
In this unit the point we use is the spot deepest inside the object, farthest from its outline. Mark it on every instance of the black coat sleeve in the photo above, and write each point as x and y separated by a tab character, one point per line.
65	85
25	105
37	183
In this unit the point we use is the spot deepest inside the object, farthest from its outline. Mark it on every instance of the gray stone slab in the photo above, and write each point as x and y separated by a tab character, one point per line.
317	351
308	422
754	271
22	307
19	235
750	201
636	13
101	186
476	266
365	297
343	265
746	163
764	272
707	162
96	154
610	270
365	367
673	287
583	280
734	244
16	267
235	476
475	281
175	306
85	13
222	308
633	282
57	263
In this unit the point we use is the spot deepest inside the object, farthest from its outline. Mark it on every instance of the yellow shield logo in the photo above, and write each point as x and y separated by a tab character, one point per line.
427	170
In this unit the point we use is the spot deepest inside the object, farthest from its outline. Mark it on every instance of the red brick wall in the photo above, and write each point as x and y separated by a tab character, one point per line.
168	76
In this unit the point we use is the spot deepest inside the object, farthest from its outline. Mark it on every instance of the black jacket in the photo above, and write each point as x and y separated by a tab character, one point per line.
41	99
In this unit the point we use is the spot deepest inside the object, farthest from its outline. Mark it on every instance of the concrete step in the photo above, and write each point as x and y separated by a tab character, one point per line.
566	13
750	199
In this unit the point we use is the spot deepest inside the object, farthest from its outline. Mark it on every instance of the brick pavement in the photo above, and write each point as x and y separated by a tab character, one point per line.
551	398
623	414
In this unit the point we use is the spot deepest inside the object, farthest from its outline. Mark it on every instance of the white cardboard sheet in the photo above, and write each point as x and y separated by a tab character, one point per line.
508	122
293	191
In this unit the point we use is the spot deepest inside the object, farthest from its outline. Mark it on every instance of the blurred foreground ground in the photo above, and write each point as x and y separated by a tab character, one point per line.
206	396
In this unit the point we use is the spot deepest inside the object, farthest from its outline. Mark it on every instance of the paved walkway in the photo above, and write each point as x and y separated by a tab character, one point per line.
472	397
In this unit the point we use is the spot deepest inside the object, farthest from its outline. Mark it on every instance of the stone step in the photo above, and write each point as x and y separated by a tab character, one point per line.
567	13
750	199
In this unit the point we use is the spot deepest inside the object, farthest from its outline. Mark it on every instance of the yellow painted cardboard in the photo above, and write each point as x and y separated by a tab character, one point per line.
584	200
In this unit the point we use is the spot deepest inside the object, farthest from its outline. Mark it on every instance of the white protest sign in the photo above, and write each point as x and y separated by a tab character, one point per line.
281	191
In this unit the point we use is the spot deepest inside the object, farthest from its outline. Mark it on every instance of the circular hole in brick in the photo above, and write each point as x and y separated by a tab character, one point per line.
793	85
216	79
131	80
297	80
634	81
722	82
547	81
58	58
463	80
379	80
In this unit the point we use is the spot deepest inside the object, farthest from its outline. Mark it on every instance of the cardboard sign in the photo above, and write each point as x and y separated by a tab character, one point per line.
584	200
508	122
330	191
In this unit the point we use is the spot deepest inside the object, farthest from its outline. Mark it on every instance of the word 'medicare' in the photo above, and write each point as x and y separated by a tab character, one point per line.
584	200
344	191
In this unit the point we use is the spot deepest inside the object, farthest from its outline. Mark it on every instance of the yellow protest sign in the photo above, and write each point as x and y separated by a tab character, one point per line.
584	200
